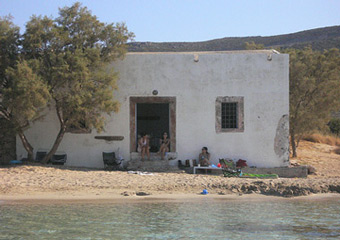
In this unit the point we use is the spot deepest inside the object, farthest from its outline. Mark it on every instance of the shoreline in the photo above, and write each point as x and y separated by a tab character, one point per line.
48	199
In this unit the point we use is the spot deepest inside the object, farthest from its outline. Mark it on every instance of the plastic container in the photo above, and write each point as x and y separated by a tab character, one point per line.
204	192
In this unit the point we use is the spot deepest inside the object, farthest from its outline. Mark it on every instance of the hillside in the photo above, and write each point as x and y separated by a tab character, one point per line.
319	39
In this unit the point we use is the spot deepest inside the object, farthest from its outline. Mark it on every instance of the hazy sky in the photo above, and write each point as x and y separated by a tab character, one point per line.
193	20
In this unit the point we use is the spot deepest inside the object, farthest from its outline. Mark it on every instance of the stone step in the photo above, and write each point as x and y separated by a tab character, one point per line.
151	166
134	156
154	164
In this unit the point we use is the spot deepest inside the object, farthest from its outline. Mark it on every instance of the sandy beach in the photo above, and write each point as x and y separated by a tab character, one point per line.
34	183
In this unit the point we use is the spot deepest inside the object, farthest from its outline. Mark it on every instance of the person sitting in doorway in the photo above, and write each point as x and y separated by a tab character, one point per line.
164	142
204	157
144	146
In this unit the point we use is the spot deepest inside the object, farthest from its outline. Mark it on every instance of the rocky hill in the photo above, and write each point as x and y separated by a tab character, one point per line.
319	39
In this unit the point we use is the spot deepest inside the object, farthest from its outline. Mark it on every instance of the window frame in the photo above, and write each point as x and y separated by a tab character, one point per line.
240	113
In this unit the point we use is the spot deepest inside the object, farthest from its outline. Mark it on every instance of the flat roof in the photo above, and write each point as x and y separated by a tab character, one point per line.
265	51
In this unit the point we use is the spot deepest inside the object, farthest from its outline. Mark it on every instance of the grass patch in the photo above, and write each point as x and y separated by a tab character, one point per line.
325	139
253	175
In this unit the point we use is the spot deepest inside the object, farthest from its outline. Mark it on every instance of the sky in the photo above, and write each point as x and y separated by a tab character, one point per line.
192	20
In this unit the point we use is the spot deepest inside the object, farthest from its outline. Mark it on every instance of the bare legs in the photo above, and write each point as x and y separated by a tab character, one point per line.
147	151
163	150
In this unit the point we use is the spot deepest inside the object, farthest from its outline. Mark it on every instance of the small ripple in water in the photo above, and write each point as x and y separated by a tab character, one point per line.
186	220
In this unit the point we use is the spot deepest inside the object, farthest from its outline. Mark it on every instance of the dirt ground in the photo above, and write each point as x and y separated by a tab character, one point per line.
321	156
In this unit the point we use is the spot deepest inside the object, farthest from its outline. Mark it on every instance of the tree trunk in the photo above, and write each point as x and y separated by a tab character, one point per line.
26	145
15	125
55	145
293	143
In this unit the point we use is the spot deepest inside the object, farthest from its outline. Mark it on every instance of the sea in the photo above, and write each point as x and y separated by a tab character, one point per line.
193	219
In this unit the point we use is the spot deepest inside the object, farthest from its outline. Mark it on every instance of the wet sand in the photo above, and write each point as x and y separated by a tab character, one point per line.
104	198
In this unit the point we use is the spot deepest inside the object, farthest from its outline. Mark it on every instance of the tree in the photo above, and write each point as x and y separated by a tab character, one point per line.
22	93
253	46
72	54
314	90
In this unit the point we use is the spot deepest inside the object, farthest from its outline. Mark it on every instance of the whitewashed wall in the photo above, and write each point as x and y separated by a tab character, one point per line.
263	83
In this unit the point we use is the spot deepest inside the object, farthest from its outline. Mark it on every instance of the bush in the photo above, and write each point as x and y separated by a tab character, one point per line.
337	150
334	126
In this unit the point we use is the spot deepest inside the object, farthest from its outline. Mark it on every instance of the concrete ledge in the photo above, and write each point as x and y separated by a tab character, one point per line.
151	166
283	172
136	156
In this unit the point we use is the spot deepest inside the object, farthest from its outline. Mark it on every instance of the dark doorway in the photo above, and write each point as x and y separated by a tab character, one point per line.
153	119
153	101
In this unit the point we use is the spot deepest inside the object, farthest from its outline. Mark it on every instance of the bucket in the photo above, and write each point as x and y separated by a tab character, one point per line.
204	192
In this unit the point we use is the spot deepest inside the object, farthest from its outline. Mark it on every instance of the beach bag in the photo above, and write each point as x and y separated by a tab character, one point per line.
226	163
241	163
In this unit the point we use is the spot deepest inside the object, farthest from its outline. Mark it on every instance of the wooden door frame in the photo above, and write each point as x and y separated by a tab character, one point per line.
172	118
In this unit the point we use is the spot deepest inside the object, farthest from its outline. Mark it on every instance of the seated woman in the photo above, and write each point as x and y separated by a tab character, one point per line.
204	157
164	142
144	146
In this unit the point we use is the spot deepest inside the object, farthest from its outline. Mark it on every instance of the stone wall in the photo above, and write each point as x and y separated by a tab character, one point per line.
7	143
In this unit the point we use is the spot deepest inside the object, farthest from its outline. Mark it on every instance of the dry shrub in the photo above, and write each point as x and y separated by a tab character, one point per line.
319	138
316	138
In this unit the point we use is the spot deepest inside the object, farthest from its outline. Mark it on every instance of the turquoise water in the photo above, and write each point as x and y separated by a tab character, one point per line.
206	219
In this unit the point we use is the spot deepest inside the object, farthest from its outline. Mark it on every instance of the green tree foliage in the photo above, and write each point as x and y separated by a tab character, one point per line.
9	45
23	94
334	126
253	46
314	90
26	95
71	54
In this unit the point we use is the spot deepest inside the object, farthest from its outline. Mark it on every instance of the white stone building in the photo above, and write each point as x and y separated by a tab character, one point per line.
235	103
